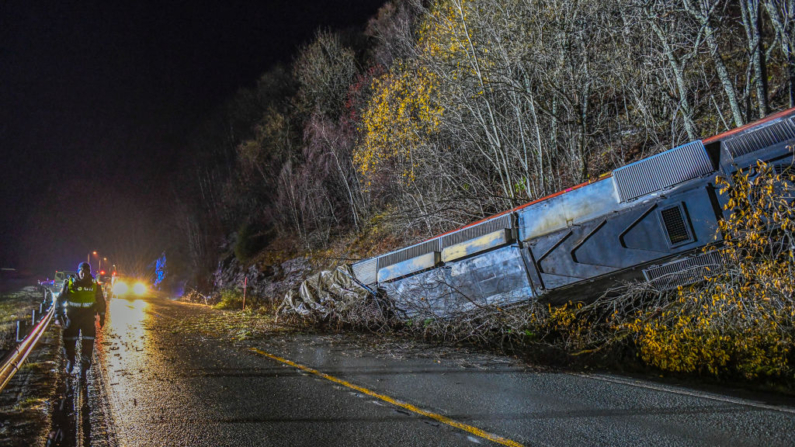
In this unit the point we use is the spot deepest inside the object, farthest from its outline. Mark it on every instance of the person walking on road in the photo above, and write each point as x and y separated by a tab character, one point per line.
79	302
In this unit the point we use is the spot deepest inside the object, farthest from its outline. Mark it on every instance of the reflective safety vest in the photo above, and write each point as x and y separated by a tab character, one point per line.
81	294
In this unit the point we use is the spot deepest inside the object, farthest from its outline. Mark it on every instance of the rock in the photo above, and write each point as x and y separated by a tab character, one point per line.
264	281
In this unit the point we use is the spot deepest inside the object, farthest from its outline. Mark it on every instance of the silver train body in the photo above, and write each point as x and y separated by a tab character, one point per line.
650	219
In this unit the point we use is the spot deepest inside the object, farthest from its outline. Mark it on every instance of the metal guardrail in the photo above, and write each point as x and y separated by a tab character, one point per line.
14	359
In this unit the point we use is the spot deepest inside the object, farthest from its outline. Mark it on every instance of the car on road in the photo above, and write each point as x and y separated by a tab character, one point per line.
123	286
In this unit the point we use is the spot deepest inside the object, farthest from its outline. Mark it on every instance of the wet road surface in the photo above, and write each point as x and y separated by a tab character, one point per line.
167	386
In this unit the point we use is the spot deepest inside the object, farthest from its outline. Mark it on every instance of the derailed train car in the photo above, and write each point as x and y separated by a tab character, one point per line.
650	219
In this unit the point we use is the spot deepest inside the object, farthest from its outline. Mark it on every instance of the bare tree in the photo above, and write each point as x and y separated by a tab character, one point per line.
704	11
393	31
679	48
782	16
752	22
324	70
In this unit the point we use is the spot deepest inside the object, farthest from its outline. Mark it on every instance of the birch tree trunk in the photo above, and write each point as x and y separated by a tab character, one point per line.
756	51
703	12
677	66
782	16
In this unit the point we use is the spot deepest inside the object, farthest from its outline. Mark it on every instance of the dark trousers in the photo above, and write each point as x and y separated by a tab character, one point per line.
79	320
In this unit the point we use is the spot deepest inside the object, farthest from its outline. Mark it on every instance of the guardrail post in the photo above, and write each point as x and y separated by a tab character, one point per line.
22	330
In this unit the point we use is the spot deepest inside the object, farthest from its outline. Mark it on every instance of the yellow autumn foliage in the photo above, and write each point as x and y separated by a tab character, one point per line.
741	319
401	117
405	111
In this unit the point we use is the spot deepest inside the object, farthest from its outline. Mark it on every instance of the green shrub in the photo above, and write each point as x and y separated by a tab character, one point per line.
230	299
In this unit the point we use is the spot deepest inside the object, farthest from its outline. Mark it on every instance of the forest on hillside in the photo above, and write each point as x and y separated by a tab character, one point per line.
442	112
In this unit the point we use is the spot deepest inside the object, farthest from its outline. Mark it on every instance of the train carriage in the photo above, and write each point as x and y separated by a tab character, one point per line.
650	219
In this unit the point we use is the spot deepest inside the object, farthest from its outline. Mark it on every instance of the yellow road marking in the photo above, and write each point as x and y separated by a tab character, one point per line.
438	417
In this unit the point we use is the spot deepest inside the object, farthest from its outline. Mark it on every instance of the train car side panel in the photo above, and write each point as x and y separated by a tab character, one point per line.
497	278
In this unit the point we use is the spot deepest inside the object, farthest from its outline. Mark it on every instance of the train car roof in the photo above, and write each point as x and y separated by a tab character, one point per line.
709	140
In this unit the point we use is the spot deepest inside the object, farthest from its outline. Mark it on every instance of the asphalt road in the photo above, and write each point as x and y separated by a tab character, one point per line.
167	386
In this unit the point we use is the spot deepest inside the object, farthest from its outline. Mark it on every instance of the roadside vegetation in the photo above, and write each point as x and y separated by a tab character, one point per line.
14	306
446	111
26	403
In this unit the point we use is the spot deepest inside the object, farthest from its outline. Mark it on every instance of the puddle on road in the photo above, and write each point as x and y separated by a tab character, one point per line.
123	355
127	316
126	335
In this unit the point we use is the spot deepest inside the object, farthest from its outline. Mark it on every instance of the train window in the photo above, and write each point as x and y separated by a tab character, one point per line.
675	222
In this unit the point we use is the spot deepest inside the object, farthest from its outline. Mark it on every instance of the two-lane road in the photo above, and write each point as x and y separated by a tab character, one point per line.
171	383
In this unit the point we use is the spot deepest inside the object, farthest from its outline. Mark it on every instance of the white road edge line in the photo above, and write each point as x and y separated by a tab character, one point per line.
673	390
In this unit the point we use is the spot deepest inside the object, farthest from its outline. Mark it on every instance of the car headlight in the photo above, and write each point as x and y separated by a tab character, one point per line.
120	288
139	288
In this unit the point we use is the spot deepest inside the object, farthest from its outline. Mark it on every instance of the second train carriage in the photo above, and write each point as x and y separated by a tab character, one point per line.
651	219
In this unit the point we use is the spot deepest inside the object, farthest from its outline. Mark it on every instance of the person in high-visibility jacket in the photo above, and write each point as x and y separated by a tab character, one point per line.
78	304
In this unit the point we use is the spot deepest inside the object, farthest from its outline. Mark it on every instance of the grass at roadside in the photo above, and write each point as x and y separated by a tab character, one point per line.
16	306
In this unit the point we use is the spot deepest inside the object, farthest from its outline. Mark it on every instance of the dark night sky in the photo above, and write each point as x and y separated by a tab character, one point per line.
97	99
